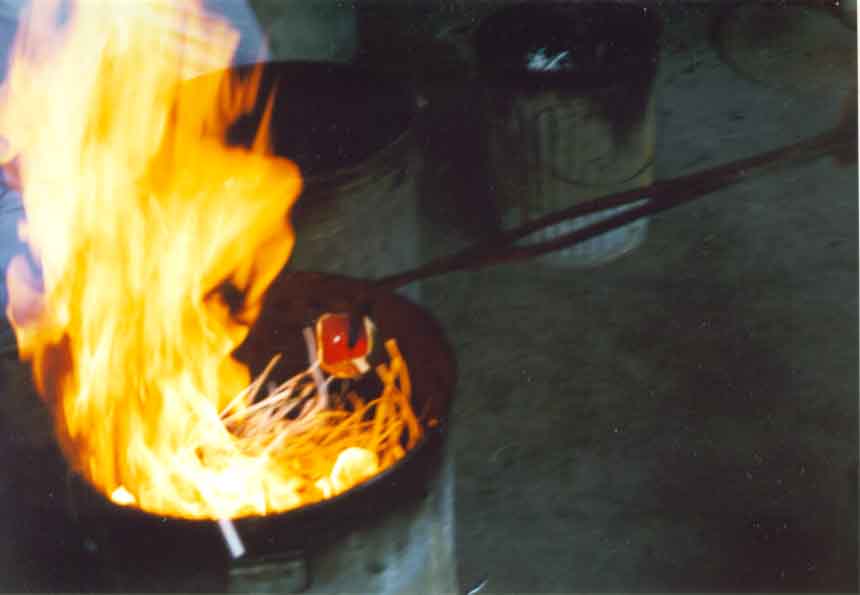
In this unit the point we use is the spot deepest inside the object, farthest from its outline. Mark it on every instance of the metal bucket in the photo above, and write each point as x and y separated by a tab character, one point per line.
349	131
393	534
569	107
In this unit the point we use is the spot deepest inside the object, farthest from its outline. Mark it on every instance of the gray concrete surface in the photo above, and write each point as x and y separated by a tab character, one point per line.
683	419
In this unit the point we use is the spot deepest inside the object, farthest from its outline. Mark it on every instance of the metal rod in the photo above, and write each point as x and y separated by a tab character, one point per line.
664	195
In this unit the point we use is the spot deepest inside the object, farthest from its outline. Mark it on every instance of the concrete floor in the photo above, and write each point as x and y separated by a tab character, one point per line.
683	419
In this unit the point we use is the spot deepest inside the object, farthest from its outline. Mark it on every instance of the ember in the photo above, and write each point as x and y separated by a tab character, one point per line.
131	198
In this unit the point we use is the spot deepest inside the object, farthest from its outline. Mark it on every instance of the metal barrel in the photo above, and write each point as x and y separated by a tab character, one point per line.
569	114
350	132
392	534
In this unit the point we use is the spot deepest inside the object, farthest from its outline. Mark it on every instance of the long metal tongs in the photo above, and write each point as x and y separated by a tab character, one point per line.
840	142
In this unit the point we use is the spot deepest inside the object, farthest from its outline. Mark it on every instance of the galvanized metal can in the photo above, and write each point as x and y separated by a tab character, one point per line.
361	220
393	534
569	111
408	552
350	132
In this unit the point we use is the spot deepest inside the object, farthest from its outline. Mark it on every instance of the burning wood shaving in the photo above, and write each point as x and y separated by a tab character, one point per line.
298	423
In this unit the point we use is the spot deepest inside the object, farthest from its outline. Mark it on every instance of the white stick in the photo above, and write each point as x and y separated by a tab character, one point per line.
322	389
265	403
231	538
253	387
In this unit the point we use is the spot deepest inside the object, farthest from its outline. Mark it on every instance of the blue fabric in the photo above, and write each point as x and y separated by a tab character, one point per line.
252	48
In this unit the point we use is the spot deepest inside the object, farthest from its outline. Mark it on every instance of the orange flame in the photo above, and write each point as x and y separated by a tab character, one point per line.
138	214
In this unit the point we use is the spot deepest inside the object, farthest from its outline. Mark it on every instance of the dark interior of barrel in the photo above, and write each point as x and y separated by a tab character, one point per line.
325	116
577	45
136	543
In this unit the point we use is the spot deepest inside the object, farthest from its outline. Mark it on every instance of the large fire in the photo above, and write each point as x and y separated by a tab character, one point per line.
137	216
